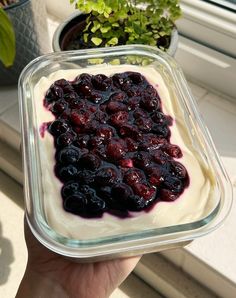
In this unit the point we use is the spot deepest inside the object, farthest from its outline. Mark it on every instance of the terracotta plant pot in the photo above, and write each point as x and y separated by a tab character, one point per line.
69	30
30	25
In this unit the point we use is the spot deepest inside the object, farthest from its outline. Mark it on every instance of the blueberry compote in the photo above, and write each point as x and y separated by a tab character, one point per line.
112	140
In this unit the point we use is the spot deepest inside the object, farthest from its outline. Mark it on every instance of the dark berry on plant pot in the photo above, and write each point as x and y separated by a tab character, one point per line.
89	161
68	155
59	127
69	189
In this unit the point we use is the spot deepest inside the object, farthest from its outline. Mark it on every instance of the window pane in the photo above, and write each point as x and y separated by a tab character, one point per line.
227	4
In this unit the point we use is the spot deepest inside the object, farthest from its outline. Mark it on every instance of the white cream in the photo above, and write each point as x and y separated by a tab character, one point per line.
196	202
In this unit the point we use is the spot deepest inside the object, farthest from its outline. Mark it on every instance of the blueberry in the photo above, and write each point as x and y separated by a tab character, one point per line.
174	184
65	139
75	204
54	93
86	177
136	203
161	130
121	192
142	159
59	107
59	127
101	82
95	206
68	155
106	176
70	189
89	161
67	173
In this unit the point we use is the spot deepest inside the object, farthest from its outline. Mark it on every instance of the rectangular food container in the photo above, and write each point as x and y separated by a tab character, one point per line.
123	244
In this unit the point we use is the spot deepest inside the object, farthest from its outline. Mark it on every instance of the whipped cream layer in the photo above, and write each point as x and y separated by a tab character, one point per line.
196	202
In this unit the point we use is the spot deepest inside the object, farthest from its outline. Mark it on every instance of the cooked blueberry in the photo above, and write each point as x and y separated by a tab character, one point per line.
129	130
104	192
59	127
133	176
115	149
106	132
167	195
136	203
161	130
101	82
54	93
106	176
95	97
75	204
144	191
69	155
156	175
136	77
121	192
67	173
174	151
59	106
118	96
86	177
89	161
70	189
174	184
96	206
149	103
178	170
116	106
142	159
65	139
119	118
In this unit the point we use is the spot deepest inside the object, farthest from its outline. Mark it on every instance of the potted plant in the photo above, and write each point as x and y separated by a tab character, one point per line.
23	36
105	23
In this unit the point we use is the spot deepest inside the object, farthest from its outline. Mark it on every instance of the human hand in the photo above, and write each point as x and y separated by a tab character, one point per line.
51	275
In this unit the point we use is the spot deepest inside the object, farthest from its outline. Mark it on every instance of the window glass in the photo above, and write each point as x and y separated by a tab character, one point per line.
227	4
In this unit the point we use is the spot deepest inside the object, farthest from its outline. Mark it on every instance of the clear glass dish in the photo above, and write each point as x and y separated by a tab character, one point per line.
149	238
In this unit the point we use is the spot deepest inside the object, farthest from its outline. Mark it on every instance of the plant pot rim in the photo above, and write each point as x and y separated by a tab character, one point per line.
12	6
57	34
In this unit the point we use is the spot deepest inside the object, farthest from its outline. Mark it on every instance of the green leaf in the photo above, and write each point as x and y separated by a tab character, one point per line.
113	41
7	40
97	41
